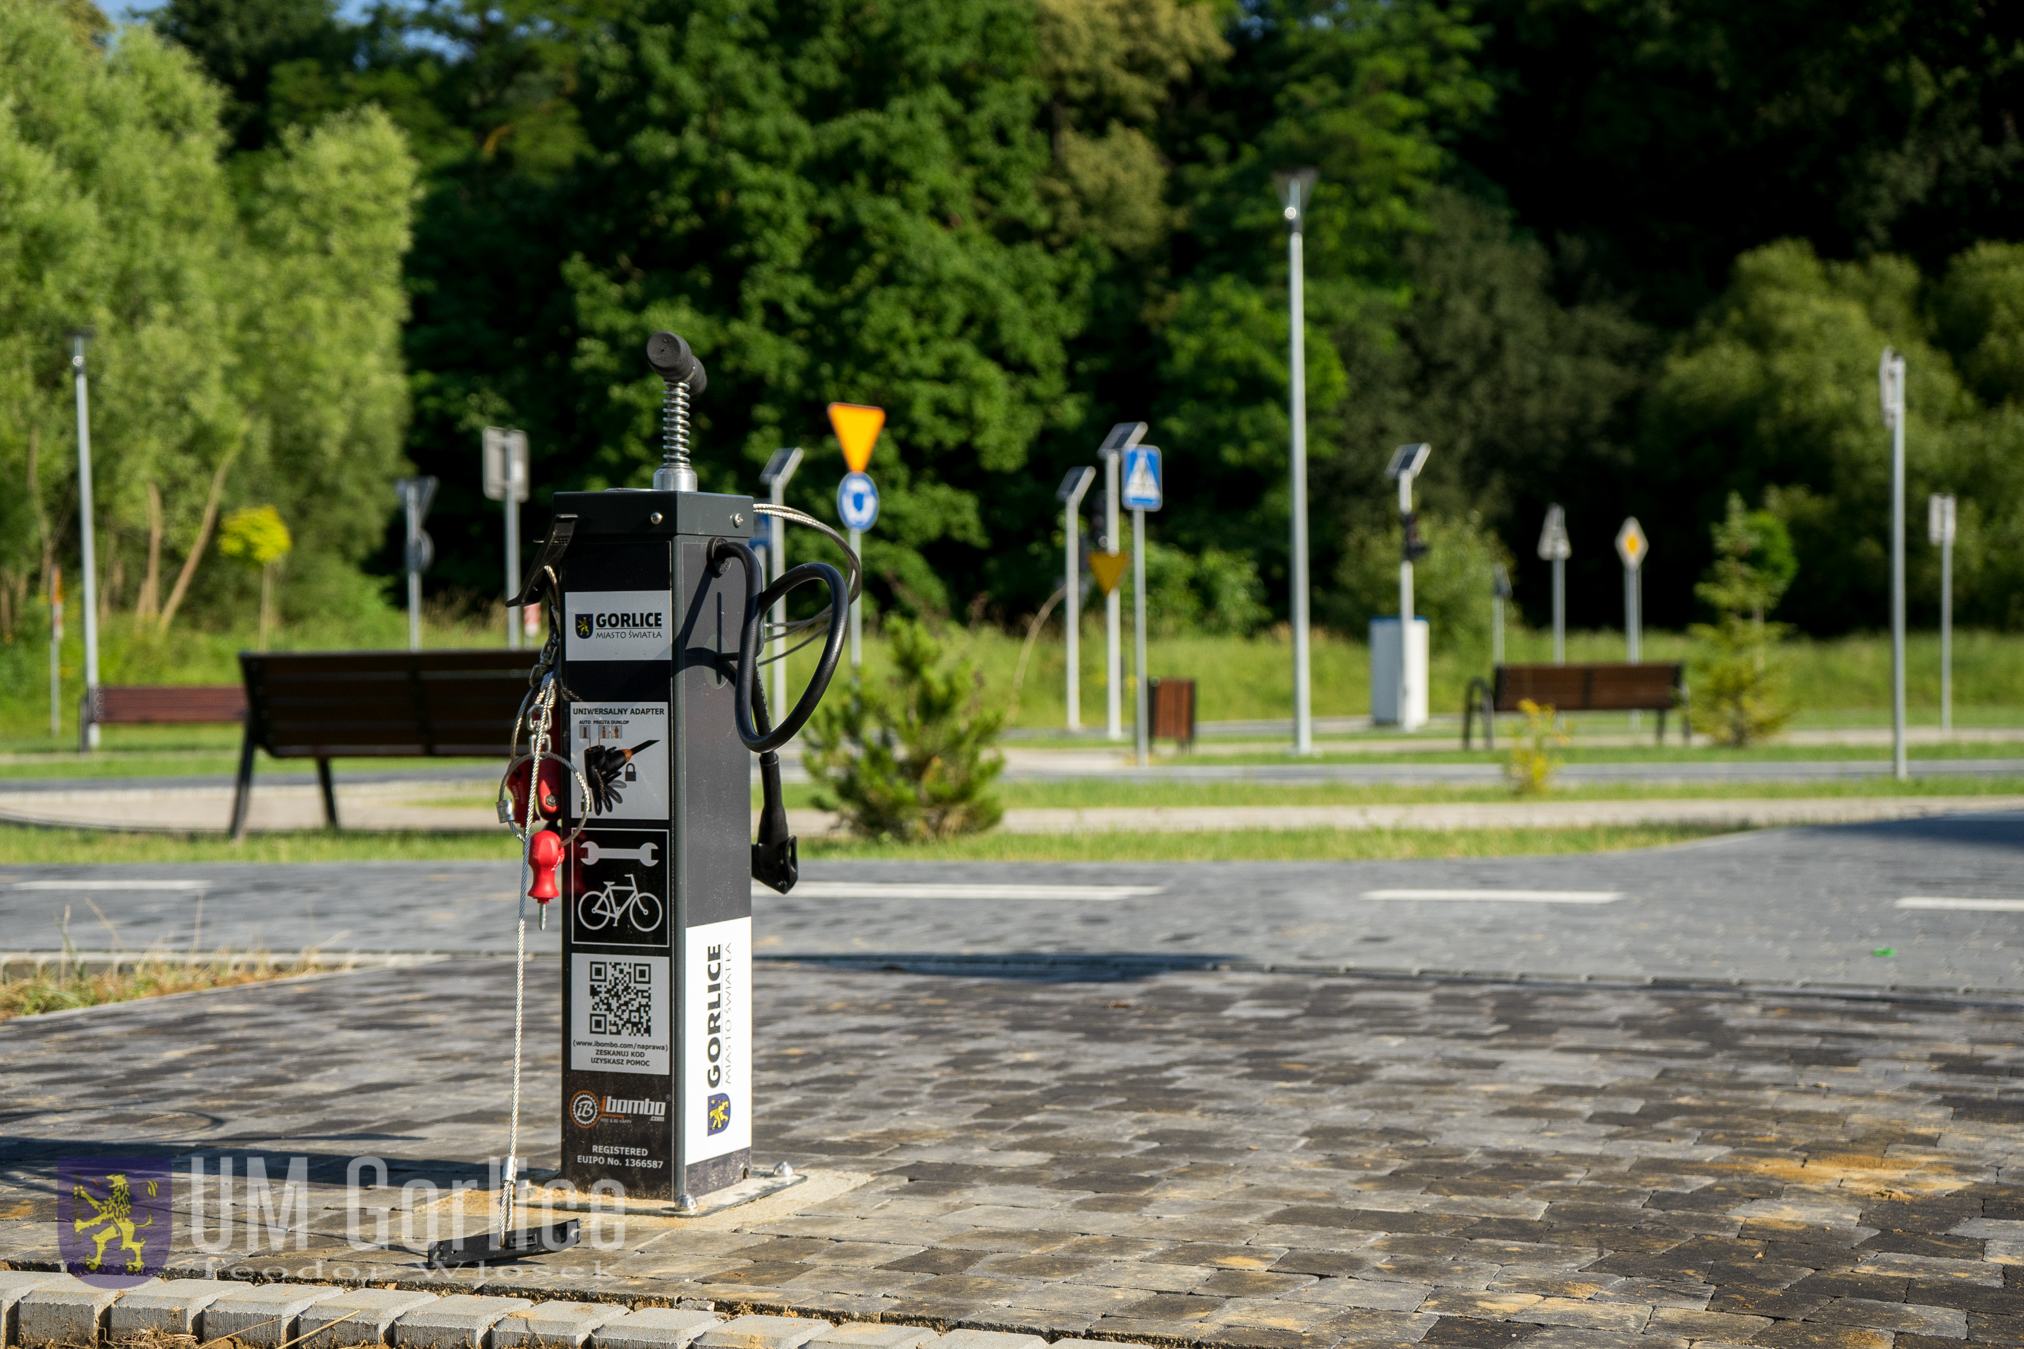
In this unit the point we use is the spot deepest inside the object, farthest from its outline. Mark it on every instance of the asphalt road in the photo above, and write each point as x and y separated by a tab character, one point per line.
1780	907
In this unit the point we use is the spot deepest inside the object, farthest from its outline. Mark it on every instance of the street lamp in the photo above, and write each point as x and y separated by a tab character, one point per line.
1406	463
1295	189
1070	495
89	602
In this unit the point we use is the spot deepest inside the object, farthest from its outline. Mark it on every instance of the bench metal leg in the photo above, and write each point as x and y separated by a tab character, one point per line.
1662	726
329	793
242	799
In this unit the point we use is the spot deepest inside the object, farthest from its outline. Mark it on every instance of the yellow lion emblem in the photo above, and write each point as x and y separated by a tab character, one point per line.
113	1216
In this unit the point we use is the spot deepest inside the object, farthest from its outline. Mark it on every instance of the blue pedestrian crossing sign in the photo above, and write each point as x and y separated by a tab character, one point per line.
1141	490
857	501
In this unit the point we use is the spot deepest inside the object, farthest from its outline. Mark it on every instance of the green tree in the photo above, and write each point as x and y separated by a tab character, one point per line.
1451	584
1776	389
245	333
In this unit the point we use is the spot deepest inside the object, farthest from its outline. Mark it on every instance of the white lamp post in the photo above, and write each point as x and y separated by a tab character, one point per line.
1073	488
89	602
1891	386
1295	190
1406	463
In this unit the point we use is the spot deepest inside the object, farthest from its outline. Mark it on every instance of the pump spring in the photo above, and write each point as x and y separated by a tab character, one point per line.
675	426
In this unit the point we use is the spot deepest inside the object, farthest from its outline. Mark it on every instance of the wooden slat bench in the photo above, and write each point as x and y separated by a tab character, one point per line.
325	705
158	705
1649	687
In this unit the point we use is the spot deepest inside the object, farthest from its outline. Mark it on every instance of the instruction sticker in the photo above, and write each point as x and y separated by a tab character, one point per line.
621	625
618	1020
621	750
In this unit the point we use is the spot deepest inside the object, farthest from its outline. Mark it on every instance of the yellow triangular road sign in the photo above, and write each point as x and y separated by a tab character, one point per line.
857	427
1108	569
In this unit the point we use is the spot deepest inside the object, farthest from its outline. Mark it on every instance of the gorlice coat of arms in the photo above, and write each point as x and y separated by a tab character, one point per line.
115	1217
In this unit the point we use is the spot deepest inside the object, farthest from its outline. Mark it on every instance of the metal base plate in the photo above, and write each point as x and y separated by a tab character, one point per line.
731	1196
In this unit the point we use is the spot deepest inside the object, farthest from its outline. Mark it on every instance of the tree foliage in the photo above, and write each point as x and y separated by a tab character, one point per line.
245	332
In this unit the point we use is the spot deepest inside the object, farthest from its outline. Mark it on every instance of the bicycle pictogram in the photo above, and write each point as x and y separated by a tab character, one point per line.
621	898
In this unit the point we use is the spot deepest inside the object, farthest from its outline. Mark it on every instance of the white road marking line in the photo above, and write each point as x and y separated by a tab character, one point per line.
919	890
1942	902
1505	896
112	884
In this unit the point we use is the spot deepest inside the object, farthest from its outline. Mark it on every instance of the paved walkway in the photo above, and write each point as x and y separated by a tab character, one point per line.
1214	1158
1780	907
448	805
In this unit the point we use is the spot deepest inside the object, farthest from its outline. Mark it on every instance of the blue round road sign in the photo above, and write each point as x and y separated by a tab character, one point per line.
857	501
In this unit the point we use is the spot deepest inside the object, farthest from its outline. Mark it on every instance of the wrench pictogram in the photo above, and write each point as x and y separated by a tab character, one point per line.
592	853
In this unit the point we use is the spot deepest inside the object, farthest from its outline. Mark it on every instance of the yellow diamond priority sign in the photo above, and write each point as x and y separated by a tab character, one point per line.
857	426
1631	544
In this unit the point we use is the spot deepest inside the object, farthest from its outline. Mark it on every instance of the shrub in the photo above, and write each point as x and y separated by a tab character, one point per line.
1739	691
913	761
1532	764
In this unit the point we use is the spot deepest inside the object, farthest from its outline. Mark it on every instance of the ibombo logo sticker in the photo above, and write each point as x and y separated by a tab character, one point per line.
621	625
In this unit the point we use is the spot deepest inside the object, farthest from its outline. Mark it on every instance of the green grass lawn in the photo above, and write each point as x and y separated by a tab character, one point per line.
1841	681
22	847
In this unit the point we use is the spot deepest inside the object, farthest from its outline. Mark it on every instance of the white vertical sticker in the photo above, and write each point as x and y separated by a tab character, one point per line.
718	1055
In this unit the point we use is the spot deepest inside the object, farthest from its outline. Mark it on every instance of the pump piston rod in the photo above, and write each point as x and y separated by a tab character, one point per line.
683	374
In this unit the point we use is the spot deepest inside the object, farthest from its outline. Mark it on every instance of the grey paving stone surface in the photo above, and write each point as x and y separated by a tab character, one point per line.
1191	1157
14	1285
360	1316
265	1315
67	1311
870	1335
553	1323
1779	907
654	1328
762	1332
163	1307
460	1321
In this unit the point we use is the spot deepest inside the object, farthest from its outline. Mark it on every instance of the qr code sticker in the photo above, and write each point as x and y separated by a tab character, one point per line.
621	998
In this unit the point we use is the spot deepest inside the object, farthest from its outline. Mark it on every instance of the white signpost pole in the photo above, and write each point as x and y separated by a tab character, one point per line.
1073	487
774	477
1940	528
1144	490
1553	547
1140	709
1500	590
506	481
1122	437
1891	385
1631	547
